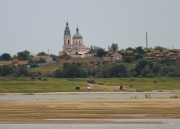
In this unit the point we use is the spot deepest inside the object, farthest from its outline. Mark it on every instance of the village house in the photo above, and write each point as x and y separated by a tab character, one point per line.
116	56
112	58
154	54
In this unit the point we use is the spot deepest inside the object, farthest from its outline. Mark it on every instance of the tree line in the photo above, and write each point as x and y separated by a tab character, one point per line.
132	65
24	55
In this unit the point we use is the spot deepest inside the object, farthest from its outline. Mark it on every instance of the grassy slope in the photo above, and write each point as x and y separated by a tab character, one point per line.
23	84
146	83
28	85
140	83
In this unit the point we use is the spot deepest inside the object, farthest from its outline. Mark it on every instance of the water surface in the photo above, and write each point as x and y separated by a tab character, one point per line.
82	96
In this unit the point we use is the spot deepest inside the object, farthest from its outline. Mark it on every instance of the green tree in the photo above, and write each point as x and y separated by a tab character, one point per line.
119	71
130	48
101	52
6	70
114	70
114	47
22	71
102	72
6	56
42	54
65	56
139	50
71	70
127	59
159	48
138	56
157	69
141	66
24	55
58	73
167	61
145	71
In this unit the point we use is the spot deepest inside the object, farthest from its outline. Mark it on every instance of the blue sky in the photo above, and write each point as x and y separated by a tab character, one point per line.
38	25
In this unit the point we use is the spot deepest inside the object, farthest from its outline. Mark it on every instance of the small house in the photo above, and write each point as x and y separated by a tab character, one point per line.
116	56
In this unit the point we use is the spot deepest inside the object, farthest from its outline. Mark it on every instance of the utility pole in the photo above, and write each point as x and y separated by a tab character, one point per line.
146	40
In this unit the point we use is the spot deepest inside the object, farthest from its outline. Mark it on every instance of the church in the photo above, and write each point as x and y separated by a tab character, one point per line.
74	46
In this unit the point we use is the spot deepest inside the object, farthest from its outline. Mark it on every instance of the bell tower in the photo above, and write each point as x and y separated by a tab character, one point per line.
67	38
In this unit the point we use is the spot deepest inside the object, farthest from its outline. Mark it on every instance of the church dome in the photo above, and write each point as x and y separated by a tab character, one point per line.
77	35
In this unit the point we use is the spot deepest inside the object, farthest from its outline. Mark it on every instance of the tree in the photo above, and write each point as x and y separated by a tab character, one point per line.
54	57
127	59
114	47
73	70
6	70
42	54
139	50
159	48
24	55
140	67
114	70
58	73
101	52
119	71
145	71
138	56
102	72
22	71
157	69
130	48
65	56
6	56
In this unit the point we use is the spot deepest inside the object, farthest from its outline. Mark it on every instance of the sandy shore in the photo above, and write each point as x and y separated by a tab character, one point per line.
86	111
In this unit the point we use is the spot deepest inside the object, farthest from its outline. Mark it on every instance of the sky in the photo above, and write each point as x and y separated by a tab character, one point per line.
38	25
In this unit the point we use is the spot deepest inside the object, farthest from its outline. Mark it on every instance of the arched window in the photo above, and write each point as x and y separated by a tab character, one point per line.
68	42
79	42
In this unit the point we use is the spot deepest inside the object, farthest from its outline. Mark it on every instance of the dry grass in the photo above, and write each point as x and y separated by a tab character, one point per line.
37	111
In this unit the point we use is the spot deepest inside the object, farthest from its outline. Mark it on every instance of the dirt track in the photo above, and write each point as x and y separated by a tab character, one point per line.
78	111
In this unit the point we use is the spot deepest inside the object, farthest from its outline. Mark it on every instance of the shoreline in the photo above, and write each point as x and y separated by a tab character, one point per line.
89	121
123	92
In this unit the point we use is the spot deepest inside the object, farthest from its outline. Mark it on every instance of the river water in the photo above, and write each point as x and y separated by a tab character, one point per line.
167	124
82	96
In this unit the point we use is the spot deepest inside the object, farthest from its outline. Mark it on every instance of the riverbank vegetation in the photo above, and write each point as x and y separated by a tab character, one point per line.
98	63
34	85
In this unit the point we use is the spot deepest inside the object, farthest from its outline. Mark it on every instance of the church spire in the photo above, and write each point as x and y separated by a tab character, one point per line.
67	30
67	23
77	30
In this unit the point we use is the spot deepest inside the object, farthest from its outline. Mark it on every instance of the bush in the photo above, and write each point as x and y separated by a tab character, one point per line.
6	70
64	56
150	75
127	59
71	71
58	73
